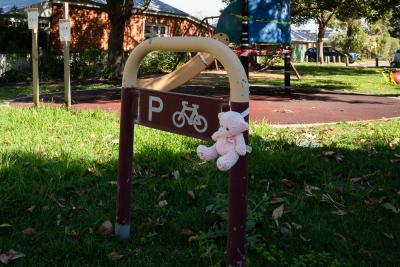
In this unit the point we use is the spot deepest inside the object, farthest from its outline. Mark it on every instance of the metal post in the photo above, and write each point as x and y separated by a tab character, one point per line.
245	36
237	204
67	77
123	225
35	67
287	74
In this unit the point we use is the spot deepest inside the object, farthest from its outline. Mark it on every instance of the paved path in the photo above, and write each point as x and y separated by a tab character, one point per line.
265	105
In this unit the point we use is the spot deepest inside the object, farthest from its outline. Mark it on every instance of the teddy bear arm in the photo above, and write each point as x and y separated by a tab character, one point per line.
217	134
240	147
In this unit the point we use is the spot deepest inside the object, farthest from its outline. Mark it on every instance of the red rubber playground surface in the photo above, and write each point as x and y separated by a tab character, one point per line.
265	105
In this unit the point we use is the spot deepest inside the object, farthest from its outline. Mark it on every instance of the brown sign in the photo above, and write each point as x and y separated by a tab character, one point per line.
189	115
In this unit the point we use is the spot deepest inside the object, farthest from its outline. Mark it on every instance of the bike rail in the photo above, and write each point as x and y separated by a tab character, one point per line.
239	85
239	102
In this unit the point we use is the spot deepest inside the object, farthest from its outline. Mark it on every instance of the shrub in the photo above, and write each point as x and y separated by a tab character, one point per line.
159	62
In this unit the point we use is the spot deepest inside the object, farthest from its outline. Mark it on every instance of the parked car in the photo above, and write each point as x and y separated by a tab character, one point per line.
396	59
331	52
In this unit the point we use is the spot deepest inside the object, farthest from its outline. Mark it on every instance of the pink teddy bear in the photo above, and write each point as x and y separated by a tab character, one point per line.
229	139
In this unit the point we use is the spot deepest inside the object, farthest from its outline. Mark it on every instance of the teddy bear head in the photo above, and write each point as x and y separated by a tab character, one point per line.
232	123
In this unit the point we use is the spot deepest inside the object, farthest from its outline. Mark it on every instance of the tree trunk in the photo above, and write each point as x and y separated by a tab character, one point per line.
116	59
320	42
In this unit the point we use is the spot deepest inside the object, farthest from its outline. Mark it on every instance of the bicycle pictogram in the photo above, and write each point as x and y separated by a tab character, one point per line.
196	120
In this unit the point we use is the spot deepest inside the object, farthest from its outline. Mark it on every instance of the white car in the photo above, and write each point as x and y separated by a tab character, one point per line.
396	59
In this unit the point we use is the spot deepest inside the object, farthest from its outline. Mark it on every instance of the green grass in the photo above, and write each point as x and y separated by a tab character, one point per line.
64	164
339	78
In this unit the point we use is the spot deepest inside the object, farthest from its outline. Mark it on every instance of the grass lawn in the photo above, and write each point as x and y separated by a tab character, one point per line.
339	186
335	78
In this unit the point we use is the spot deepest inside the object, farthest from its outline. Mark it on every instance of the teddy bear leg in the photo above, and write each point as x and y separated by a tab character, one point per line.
207	153
227	161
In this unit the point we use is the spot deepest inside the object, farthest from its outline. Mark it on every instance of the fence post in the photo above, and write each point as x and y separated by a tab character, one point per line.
377	62
67	76
33	24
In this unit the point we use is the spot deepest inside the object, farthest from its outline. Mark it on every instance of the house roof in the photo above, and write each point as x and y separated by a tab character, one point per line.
155	5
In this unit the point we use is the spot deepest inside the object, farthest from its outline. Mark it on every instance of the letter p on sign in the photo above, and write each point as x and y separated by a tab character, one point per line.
152	108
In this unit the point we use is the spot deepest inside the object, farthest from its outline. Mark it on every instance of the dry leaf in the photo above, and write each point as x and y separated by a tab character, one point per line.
90	170
286	229
193	238
340	236
304	239
99	203
278	212
74	234
186	232
191	194
29	231
388	236
105	229
115	256
288	183
339	212
3	258
162	203
5	225
112	182
30	209
391	207
277	200
355	180
175	174
328	153
162	195
339	157
10	255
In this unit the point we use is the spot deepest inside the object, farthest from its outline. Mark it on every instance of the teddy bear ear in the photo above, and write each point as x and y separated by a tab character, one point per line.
244	126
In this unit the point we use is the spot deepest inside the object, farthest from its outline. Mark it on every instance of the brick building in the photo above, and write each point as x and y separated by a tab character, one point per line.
90	25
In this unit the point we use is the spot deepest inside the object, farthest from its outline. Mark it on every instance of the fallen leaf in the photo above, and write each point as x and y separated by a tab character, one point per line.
99	203
328	153
105	229
286	229
90	170
355	180
74	234
388	236
278	212
391	207
193	238
340	236
115	256
10	255
186	232
112	182
162	203
29	231
277	200
339	157
191	194
5	225
304	239
30	209
288	183
3	258
175	174
339	212
162	195
297	226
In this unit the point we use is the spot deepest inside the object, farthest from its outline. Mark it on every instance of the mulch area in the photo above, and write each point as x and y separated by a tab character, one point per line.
272	106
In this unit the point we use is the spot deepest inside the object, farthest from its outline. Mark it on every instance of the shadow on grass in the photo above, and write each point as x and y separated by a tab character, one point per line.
73	196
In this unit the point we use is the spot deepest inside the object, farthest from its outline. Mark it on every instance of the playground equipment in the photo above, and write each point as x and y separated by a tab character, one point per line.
253	22
156	109
391	75
185	73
